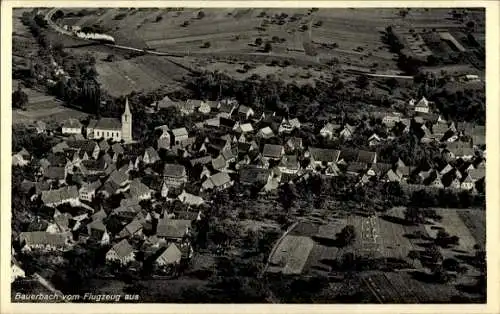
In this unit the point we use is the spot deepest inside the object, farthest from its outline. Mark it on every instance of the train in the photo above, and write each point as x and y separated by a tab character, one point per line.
102	38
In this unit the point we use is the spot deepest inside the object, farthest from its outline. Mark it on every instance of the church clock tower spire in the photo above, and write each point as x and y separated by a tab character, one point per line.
127	123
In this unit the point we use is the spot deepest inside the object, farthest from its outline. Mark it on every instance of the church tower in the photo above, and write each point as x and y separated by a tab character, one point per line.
127	123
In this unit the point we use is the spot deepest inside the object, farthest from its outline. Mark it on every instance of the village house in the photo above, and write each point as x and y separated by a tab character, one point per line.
244	128
16	270
174	175
150	156
249	175
265	133
121	252
134	228
190	199
289	164
97	231
206	106
245	113
459	149
288	125
43	241
294	144
173	229
60	223
88	190
179	135
422	106
348	132
171	256
374	140
111	128
139	190
21	158
219	181
60	196
328	131
90	148
273	152
71	126
40	127
321	157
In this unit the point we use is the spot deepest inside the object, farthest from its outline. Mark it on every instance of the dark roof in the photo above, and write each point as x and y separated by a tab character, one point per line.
55	173
108	124
201	160
56	159
123	248
252	175
172	228
356	166
271	150
324	155
229	123
244	148
366	156
174	170
118	177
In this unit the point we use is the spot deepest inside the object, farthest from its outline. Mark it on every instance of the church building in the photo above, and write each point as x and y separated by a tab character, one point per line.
111	128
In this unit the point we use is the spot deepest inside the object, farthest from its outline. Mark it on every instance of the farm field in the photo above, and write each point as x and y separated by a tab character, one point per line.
43	107
354	32
403	288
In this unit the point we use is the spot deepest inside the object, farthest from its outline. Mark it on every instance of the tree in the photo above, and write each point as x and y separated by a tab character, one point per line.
19	98
450	264
347	235
362	81
258	41
414	215
392	83
413	255
201	15
268	47
433	253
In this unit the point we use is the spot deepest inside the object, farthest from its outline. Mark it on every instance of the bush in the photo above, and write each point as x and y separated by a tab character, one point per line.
185	23
206	45
268	47
347	235
201	15
258	41
120	16
158	18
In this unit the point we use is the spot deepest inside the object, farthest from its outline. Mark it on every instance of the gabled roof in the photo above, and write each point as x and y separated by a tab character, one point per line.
289	162
122	248
272	151
246	128
97	225
174	170
130	229
118	177
180	132
153	154
366	156
108	124
477	174
72	123
56	159
324	154
330	127
100	215
244	109
117	149
254	175
201	160
356	166
91	186
190	199
171	255
55	173
137	188
220	179
423	103
229	123
172	228
42	237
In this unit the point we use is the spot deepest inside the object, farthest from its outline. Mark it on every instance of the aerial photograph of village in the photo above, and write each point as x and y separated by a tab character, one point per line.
248	155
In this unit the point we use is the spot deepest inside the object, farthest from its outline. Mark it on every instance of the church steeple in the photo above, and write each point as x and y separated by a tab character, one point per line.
127	123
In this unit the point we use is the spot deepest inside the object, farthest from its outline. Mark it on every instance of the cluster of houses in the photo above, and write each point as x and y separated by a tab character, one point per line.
239	146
